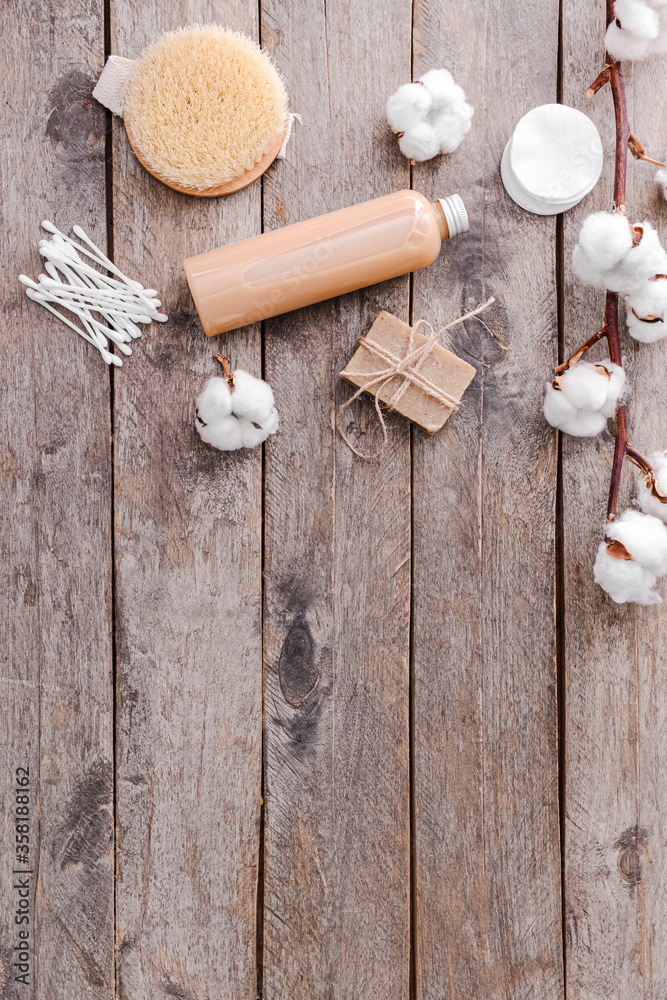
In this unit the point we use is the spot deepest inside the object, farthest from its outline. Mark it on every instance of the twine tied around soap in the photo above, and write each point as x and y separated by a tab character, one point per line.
407	367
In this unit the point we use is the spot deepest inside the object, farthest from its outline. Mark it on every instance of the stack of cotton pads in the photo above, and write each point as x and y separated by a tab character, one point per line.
553	159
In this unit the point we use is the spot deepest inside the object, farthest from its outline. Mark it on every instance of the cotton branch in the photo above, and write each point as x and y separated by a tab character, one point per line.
580	351
613	75
637	149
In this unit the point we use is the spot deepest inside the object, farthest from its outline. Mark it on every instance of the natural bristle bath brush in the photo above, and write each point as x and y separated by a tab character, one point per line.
205	110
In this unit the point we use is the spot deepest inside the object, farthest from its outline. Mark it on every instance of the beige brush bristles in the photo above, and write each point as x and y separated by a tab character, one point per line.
203	106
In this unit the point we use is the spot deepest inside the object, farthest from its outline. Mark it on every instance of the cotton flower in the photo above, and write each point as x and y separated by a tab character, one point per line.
440	86
633	557
419	142
639	30
452	124
609	256
584	387
615	387
254	433
644	537
638	17
647	499
408	106
587	397
237	415
432	115
623	44
636	26
215	401
560	413
605	238
624	579
225	435
646	310
641	262
252	398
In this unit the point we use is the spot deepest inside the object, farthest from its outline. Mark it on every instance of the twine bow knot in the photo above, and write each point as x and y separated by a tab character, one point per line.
408	368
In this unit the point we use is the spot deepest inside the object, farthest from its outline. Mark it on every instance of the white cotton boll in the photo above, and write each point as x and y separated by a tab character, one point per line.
605	255
638	18
452	125
215	401
645	538
584	387
624	580
622	44
556	406
252	398
647	300
641	262
586	270
605	238
225	435
409	105
584	423
615	387
648	503
253	433
432	115
271	425
560	413
441	88
645	333
419	142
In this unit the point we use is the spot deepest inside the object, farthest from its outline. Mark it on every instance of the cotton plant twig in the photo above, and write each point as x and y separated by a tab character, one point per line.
637	149
625	139
580	351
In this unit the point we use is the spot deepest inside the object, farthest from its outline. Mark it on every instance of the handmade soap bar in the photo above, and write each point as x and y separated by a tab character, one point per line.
435	382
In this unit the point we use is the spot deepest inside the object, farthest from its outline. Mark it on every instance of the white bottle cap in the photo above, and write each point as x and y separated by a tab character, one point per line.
552	160
455	214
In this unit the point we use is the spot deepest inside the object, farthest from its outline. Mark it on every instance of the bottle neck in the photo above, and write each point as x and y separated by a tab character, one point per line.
451	216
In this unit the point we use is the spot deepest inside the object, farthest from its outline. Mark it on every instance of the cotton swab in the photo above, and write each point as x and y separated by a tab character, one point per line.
73	285
56	252
86	283
98	256
111	359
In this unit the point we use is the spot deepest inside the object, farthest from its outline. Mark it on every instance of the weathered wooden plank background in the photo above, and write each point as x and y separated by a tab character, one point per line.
297	725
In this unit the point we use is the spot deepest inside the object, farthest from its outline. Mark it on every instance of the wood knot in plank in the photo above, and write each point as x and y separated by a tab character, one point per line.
632	847
297	671
76	122
89	823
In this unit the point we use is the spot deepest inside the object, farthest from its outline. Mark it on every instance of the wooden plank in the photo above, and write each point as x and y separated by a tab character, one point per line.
188	545
56	714
616	784
337	866
486	804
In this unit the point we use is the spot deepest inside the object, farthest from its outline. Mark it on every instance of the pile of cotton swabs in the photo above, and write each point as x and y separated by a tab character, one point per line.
82	290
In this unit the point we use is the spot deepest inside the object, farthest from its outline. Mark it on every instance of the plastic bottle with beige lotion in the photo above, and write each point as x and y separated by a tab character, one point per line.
311	261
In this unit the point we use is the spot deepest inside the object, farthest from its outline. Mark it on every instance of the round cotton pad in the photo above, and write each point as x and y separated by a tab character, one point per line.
553	159
205	110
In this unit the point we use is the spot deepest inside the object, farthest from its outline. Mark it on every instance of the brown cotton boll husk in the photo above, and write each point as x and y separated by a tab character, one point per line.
203	106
